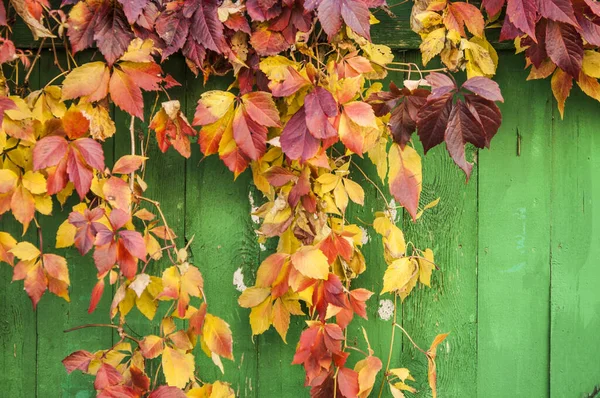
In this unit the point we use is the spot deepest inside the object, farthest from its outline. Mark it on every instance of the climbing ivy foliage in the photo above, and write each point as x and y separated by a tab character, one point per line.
305	102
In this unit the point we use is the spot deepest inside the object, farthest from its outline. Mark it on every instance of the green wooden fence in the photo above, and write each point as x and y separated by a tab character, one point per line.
518	247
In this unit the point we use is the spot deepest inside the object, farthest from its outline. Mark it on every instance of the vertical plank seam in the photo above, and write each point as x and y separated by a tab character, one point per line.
38	239
550	242
477	180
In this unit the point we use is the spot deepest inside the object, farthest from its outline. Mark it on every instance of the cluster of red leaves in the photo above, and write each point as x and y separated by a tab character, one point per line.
440	116
554	35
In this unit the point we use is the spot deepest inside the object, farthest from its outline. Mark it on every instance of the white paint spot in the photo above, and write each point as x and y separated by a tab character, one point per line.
253	208
238	280
386	309
447	347
262	247
365	235
393	211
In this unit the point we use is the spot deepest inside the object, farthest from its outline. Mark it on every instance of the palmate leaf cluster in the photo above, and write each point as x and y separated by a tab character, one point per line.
306	100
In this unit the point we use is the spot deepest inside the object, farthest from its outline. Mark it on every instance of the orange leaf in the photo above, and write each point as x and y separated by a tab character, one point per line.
217	336
126	94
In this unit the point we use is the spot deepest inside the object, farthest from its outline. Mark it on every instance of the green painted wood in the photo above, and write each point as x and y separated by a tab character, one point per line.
517	249
575	275
54	314
18	329
450	305
217	217
514	236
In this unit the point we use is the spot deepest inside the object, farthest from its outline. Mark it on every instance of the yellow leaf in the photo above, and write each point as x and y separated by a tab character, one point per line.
34	182
328	182
139	51
341	197
355	191
398	275
151	346
253	296
8	180
178	367
276	67
146	304
378	155
217	102
217	336
426	267
43	204
311	262
478	53
433	44
281	318
260	317
431	367
591	63
25	251
101	124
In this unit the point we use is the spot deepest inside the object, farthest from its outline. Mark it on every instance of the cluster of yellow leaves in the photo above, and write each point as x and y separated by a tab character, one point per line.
404	271
441	25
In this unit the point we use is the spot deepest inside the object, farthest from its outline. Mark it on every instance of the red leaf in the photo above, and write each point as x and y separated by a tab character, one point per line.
36	284
49	151
590	30
167	392
484	87
405	177
493	7
348	382
146	75
252	143
112	32
107	376
488	114
279	176
557	10
91	151
458	14
463	127
79	174
320	106
296	141
97	292
330	13
125	94
441	84
172	27
564	47
523	15
261	108
268	42
357	16
205	26
133	9
79	360
432	120
134	243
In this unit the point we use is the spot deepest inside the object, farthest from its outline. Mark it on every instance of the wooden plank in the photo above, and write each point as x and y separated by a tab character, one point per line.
218	217
55	314
575	302
18	331
514	235
450	305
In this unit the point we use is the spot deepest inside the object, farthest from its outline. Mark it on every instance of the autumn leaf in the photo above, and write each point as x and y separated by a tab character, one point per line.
217	336
405	177
178	367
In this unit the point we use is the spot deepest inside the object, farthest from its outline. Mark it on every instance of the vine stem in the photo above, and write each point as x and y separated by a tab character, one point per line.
92	325
411	340
132	136
162	216
35	59
389	360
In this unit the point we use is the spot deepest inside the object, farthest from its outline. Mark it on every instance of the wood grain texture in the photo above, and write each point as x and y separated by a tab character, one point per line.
54	314
514	236
218	218
575	298
18	328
